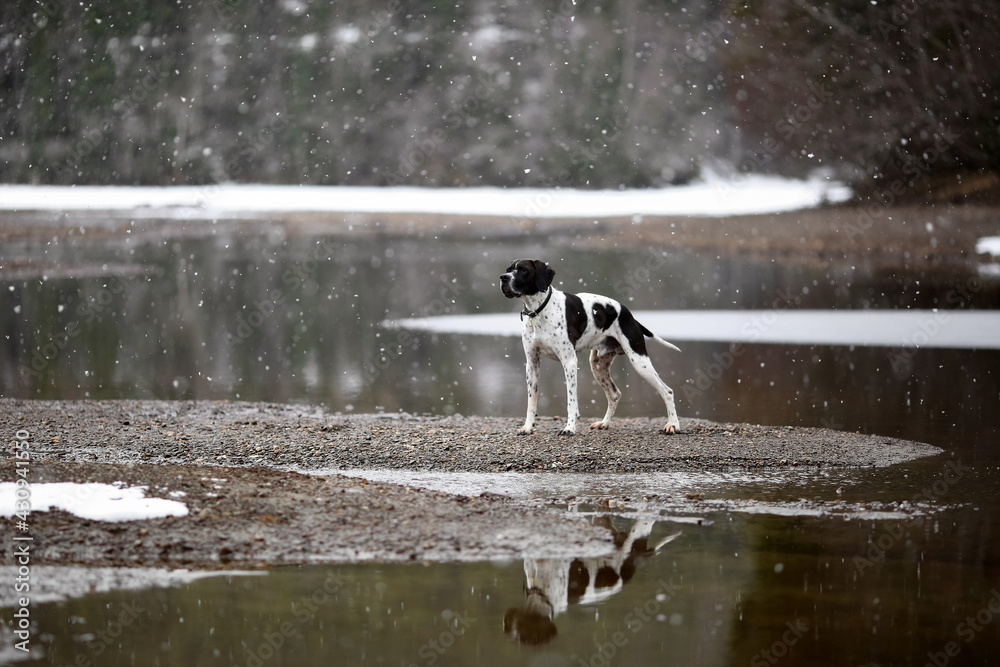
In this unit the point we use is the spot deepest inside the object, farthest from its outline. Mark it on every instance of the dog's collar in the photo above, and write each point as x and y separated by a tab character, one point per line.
534	313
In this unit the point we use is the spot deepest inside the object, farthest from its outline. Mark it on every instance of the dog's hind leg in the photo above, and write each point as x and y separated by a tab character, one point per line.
644	367
600	364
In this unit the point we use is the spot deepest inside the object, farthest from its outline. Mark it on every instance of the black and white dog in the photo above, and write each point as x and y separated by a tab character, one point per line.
559	324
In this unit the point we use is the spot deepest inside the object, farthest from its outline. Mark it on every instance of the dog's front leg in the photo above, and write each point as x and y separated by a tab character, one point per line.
533	361
570	365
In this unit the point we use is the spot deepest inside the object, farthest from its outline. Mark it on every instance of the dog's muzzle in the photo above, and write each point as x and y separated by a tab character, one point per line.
506	288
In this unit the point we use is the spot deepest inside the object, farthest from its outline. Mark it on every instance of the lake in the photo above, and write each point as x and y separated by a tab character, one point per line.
329	320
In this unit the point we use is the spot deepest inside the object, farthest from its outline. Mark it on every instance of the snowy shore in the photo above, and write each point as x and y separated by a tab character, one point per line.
715	196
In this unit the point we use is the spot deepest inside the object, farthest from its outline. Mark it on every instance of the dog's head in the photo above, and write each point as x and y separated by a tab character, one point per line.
525	277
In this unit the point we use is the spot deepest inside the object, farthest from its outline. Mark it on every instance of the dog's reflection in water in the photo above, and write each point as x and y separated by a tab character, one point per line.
555	583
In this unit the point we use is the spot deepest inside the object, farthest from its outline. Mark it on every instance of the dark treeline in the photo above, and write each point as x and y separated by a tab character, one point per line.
596	93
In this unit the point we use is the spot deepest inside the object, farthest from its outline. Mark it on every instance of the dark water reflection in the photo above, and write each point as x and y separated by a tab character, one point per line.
738	589
297	319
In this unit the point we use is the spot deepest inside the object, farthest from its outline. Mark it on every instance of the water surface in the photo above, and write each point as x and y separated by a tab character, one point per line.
302	319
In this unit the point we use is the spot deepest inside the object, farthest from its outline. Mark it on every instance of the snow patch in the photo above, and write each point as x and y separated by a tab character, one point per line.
99	502
308	42
715	196
348	34
988	245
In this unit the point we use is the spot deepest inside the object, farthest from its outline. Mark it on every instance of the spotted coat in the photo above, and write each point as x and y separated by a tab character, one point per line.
559	324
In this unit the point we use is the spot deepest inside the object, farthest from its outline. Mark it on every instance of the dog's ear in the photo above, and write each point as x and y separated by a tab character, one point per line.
543	275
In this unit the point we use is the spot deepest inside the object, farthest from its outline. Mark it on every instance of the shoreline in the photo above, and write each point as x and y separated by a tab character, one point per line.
939	236
242	469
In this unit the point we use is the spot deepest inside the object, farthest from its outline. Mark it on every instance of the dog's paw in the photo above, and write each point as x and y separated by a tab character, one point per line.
672	429
600	426
567	431
525	430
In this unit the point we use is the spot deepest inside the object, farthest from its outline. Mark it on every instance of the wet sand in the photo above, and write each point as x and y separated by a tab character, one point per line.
249	506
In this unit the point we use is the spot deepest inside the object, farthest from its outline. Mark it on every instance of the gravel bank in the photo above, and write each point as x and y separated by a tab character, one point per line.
244	518
236	464
297	437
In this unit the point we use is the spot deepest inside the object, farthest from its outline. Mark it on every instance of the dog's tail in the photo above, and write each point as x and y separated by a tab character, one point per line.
649	334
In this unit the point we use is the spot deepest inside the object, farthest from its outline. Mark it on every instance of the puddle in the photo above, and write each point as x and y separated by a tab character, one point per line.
680	497
53	583
542	486
718	593
864	328
530	486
